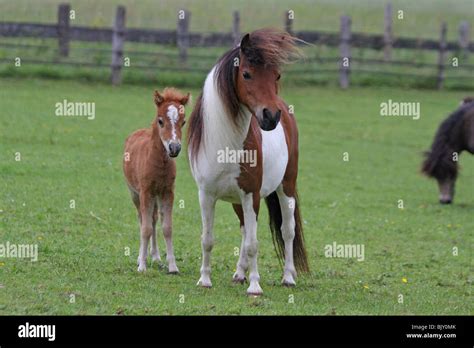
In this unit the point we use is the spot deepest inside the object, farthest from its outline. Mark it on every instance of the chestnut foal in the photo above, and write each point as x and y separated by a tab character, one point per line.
150	172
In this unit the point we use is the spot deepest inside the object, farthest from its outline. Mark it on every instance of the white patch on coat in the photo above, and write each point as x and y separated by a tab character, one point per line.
173	116
273	147
218	179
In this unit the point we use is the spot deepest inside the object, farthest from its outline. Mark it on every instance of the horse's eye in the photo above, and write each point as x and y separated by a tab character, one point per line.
184	122
160	122
278	78
246	75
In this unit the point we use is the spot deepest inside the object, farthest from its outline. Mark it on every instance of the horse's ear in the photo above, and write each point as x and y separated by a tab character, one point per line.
245	43
158	98
185	99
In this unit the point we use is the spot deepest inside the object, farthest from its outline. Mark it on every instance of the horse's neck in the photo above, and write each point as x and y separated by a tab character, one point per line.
157	151
220	131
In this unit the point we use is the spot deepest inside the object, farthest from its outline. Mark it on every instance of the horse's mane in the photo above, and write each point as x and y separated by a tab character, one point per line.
438	161
265	48
171	94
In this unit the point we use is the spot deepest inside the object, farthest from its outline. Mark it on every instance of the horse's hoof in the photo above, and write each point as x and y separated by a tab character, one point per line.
238	280
141	269
204	284
254	290
173	272
288	284
254	294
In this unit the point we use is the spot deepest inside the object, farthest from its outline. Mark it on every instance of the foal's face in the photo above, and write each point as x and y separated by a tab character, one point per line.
170	120
257	88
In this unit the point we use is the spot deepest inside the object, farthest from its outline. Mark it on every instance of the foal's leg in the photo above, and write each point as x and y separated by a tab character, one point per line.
287	206
251	244
136	201
166	213
208	204
155	252
146	228
242	264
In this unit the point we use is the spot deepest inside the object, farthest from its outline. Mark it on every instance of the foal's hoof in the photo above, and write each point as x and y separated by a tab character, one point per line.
173	272
141	268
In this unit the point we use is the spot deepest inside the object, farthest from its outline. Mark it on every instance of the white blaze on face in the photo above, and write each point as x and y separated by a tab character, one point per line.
173	116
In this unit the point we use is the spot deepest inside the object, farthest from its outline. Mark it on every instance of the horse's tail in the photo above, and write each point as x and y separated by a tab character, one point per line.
275	217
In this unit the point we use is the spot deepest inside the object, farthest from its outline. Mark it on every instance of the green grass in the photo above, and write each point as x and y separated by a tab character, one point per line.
82	250
422	18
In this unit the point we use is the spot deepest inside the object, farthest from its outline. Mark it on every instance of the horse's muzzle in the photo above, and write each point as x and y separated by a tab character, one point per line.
269	121
174	149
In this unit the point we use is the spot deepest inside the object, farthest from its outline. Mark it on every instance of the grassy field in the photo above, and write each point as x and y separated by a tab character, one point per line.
421	18
82	251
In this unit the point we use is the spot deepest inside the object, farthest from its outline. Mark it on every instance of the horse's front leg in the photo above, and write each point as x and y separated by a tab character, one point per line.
250	206
208	204
166	213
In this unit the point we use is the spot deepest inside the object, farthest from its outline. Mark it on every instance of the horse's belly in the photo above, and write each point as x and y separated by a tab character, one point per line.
275	159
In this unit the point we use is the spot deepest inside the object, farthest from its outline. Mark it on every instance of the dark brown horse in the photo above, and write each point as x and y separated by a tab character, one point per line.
454	135
243	146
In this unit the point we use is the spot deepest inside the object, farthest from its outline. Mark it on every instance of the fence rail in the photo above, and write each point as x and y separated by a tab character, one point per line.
184	39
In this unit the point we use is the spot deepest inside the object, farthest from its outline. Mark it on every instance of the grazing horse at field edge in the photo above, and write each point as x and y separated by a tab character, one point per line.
454	135
239	110
150	172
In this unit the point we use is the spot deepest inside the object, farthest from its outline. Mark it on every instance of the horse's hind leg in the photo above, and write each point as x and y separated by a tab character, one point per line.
208	205
146	227
155	252
136	201
287	206
242	264
166	213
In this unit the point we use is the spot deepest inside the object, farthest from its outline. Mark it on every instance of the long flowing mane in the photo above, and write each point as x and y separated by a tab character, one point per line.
438	161
267	48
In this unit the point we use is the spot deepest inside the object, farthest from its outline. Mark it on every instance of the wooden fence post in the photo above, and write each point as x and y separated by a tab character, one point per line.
236	28
118	38
464	39
345	51
182	35
387	33
442	55
289	16
63	29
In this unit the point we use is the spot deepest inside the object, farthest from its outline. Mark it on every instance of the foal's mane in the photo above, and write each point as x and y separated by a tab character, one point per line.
266	48
171	94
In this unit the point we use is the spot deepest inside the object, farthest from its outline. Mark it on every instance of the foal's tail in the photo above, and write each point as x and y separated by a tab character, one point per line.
299	250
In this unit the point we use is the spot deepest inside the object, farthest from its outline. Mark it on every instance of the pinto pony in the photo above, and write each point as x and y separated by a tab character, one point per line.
150	172
454	135
240	112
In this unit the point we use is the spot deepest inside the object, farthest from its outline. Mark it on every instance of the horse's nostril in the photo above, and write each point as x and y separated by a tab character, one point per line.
266	113
174	148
